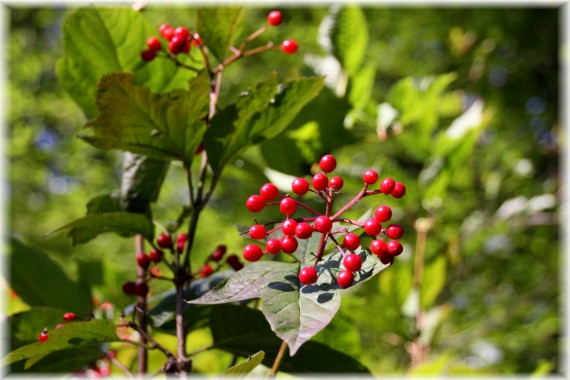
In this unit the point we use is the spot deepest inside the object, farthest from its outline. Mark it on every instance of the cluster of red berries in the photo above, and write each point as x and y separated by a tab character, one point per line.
304	227
68	317
215	258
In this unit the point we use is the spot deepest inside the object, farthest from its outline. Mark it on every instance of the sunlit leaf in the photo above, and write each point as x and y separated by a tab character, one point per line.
218	28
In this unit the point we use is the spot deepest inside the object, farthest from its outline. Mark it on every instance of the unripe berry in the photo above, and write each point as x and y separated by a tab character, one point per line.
155	255
143	260
378	247
372	227
274	18
399	190
252	252
166	31
300	186
205	270
370	177
308	275
153	43
289	46
303	230
269	191
327	163
336	183
218	253
164	241
255	203
141	289
287	206
352	262
59	325
351	241
129	288
155	271
69	317
320	181
394	231
387	186
289	244
273	246
288	227
394	247
322	224
148	55
258	232
383	214
345	278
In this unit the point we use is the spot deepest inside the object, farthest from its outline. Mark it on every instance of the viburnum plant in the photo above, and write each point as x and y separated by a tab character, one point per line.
157	100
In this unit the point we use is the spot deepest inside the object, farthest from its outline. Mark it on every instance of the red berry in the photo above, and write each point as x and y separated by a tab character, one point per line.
345	278
255	203
308	275
155	255
274	18
378	247
59	325
394	247
387	186
383	214
148	55
141	289
155	271
352	262
394	231
320	181
289	244
322	224
303	230
237	266
327	163
370	177
336	183
176	45
351	241
186	48
129	288
153	43
182	33
300	186
269	191
289	46
399	190
233	261
288	227
166	31
218	253
252	252
273	246
43	337
143	260
206	270
372	227
199	149
164	241
69	317
197	40
287	206
386	258
257	232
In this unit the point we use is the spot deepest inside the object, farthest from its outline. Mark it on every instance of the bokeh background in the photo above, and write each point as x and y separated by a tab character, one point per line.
459	103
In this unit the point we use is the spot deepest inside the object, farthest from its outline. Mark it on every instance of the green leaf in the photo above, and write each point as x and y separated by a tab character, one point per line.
124	223
27	325
362	86
434	281
244	331
271	110
218	28
163	126
242	369
141	181
72	335
97	41
64	361
39	281
348	33
295	313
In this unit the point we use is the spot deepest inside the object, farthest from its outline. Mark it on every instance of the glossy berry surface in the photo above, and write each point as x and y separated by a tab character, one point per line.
218	253
148	55
258	232
370	177
289	244
386	258
155	255
274	18
255	203
351	241
394	231
273	246
129	288
300	186
378	247
383	213
252	252
141	289
394	247
269	191
303	230
206	270
327	163
288	206
320	181
352	262
166	31
288	227
372	227
387	186
177	44
153	43
164	241
182	33
345	278
42	337
399	190
143	260
322	224
336	182
69	317
289	46
308	276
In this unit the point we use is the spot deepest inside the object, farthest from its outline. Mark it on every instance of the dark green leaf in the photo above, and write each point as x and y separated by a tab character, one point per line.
97	41
39	281
141	181
64	361
218	28
27	325
242	369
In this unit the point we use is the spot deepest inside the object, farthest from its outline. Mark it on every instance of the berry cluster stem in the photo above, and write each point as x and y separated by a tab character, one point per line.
141	312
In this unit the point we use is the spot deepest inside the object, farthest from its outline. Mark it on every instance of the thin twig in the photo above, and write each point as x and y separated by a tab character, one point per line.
142	364
277	362
121	366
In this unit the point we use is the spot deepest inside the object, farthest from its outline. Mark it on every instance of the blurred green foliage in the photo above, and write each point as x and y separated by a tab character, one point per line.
490	294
